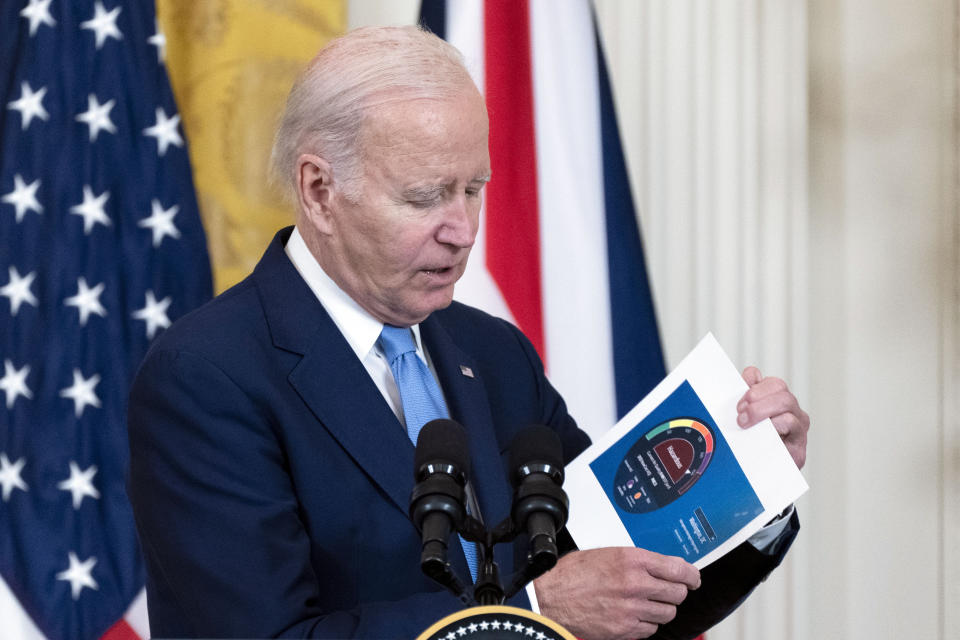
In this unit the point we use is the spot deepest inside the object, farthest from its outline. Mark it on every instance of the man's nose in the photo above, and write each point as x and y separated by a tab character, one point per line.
460	223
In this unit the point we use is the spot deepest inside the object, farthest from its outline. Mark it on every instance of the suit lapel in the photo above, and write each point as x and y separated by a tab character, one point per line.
330	379
338	390
468	404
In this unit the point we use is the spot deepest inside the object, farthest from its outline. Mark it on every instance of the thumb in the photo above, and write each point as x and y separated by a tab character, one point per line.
752	375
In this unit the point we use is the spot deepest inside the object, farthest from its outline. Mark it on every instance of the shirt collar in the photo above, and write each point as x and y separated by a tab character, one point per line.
360	329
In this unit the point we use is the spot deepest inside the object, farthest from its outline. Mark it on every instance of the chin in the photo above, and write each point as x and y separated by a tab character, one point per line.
436	303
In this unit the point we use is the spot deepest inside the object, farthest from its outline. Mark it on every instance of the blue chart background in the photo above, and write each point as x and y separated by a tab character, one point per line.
724	493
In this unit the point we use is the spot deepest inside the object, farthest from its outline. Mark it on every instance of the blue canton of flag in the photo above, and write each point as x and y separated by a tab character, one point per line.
101	248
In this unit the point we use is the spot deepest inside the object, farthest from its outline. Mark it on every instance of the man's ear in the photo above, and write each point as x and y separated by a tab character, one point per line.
315	191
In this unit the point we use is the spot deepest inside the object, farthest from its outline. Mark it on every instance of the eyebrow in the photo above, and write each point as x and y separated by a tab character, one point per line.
433	190
424	192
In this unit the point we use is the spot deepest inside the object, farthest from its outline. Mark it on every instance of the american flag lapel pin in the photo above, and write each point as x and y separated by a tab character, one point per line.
467	371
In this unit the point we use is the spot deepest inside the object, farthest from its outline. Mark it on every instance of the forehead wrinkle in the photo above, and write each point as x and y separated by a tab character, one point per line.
395	123
411	141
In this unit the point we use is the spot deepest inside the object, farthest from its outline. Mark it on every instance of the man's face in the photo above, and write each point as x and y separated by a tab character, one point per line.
401	247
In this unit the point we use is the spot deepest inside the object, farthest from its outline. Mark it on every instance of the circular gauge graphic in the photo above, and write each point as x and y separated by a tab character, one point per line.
662	465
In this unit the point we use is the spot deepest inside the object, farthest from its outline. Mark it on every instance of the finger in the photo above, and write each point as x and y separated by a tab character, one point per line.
798	451
645	587
767	386
752	375
657	612
750	413
793	431
644	630
788	425
673	569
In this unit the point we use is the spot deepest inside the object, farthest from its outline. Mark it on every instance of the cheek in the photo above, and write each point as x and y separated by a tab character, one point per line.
374	243
396	255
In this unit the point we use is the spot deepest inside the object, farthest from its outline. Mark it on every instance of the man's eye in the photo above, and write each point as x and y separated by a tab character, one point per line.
426	202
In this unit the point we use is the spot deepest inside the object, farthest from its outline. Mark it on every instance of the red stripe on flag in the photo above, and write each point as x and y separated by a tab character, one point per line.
120	631
512	210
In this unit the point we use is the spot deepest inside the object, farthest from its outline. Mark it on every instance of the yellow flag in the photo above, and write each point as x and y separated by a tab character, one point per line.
231	64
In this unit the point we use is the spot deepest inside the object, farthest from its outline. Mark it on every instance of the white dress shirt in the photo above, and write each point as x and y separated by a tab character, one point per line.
361	330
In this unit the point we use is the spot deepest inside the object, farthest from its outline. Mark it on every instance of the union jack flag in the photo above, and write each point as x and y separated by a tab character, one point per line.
101	247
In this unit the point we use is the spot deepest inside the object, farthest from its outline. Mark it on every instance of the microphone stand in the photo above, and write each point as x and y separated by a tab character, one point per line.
437	506
488	589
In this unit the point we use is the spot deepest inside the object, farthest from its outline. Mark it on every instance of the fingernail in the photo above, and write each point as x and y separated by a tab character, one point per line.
741	406
742	419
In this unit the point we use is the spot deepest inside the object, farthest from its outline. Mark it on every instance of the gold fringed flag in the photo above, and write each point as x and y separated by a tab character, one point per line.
231	63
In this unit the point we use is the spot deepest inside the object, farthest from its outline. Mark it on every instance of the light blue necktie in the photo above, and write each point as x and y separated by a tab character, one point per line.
420	396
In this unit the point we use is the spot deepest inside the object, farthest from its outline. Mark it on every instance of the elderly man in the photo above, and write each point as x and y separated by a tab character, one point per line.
272	430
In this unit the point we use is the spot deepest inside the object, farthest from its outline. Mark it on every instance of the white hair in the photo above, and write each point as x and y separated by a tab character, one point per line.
353	74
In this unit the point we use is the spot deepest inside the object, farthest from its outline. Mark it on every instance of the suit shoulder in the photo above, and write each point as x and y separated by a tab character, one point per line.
227	318
480	332
463	315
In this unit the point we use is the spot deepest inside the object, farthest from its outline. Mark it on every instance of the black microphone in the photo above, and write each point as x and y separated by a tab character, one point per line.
441	468
540	505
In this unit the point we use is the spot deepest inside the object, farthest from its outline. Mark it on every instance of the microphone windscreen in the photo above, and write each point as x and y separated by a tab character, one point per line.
442	441
536	443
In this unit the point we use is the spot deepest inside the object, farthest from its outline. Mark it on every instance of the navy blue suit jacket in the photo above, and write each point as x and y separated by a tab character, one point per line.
270	480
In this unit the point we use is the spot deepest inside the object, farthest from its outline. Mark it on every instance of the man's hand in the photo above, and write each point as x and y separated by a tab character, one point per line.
614	593
771	398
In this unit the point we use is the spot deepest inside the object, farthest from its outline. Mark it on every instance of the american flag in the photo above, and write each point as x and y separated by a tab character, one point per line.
101	248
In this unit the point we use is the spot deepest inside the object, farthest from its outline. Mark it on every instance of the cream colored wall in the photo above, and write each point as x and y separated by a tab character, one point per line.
805	156
883	151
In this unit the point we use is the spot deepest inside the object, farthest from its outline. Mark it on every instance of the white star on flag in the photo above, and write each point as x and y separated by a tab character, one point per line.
81	392
80	484
79	575
87	300
14	382
10	476
92	209
103	24
38	12
29	104
18	289
154	314
159	40
97	116
81	83
23	197
161	222
165	131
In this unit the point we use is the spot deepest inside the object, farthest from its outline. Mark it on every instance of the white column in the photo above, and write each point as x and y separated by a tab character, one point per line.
711	100
950	319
